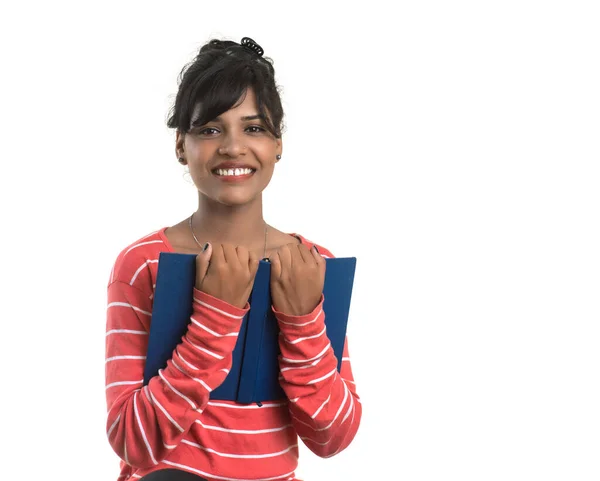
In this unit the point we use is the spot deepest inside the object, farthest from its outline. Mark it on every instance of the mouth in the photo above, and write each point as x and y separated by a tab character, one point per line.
239	174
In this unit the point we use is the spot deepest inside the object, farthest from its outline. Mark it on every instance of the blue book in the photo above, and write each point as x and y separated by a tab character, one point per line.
254	373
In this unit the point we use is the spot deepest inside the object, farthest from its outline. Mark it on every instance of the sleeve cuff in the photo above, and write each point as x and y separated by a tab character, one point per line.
300	320
201	297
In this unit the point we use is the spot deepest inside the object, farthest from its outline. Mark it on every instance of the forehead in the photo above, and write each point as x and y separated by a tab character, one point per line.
245	105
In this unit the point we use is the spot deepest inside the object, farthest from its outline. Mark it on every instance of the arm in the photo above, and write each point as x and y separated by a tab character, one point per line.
324	405
146	422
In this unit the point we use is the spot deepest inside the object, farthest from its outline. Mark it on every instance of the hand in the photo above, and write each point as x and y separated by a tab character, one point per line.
297	278
227	273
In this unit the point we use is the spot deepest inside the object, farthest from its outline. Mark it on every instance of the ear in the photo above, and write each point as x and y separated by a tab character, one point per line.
279	149
179	146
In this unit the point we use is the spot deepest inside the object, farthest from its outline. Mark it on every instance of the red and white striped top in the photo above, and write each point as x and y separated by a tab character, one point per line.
172	423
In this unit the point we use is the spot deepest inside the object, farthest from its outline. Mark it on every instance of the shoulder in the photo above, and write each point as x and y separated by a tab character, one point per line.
137	256
326	253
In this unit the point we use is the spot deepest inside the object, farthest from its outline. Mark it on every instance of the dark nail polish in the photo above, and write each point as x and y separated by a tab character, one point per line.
205	247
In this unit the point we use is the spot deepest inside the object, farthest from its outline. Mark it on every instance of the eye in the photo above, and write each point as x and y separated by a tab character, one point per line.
255	129
208	131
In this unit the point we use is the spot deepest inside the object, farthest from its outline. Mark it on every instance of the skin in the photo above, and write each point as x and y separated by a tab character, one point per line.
230	215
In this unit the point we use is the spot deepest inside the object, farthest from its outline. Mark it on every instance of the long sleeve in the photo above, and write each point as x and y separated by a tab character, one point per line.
324	405
146	422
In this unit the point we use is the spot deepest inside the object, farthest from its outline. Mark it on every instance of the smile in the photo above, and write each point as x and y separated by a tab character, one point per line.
233	172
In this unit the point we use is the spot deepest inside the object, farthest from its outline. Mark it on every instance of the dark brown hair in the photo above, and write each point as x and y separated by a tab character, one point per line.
217	78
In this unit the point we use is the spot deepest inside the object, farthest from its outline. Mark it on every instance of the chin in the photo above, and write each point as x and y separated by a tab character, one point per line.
236	200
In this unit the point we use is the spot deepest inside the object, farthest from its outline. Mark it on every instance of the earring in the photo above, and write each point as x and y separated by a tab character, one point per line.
181	160
278	157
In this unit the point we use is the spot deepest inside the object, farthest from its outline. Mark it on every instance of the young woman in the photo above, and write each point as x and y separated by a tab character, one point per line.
228	119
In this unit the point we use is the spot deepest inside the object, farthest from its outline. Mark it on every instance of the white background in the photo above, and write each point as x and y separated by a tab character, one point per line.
452	147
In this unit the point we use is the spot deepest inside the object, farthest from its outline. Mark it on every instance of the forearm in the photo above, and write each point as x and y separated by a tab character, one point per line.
324	405
146	423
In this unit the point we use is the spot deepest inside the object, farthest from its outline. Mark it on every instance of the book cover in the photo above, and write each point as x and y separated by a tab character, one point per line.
254	373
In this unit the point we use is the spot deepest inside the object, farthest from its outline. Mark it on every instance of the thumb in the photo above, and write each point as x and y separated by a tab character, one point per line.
202	262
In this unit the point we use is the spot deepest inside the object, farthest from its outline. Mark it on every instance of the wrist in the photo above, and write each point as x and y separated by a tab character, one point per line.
236	308
292	314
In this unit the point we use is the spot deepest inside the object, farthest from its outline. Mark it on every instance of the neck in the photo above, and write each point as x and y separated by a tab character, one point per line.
241	225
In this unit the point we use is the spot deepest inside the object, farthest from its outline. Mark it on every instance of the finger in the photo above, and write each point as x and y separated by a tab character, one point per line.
203	260
217	257
275	266
253	263
305	254
320	260
230	254
243	256
285	257
316	256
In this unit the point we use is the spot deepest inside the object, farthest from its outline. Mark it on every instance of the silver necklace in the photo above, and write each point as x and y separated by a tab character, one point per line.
198	242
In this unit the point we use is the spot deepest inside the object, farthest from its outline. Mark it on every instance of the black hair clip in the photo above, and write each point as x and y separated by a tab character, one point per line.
251	45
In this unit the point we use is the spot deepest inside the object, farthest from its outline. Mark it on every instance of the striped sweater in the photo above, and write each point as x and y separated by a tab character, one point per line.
172	422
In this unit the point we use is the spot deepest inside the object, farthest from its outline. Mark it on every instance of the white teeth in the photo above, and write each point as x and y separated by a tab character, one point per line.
226	172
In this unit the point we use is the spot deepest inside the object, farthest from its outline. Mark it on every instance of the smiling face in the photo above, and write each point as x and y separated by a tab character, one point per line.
231	158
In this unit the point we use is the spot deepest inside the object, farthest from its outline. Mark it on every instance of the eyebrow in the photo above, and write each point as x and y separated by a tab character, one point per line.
252	117
246	118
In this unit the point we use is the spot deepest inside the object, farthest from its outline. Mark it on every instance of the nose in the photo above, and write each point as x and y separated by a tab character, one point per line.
232	145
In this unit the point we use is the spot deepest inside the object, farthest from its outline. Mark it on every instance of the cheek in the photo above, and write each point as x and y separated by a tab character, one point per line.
199	152
198	172
267	176
267	155
267	171
198	160
198	168
198	178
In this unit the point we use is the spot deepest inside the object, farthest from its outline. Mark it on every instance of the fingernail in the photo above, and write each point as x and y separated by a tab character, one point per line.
315	248
205	247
